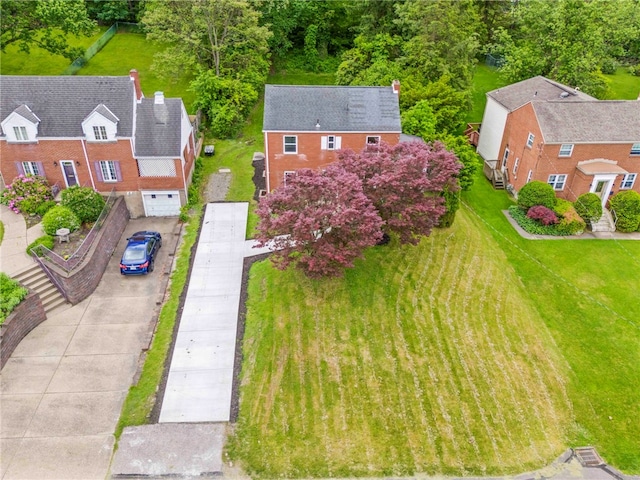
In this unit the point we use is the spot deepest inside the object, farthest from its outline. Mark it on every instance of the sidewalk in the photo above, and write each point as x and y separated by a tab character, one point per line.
13	251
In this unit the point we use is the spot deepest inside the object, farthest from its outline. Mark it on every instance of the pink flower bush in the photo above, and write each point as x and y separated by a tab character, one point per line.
34	188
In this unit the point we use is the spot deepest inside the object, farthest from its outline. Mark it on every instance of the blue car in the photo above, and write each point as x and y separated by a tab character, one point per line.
140	254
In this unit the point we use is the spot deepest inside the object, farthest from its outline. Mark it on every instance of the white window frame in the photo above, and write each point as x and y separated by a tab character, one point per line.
287	174
563	150
628	180
505	160
21	134
286	144
515	165
108	169
530	139
373	140
100	133
557	181
529	175
331	142
635	149
30	168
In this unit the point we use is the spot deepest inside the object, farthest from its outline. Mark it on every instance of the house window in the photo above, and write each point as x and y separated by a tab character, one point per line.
30	168
635	149
627	181
373	140
287	175
566	149
331	142
21	134
515	165
108	170
557	181
505	157
290	144
100	133
530	139
529	175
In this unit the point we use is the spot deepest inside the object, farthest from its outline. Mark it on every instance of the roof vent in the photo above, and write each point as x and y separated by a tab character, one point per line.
158	98
564	94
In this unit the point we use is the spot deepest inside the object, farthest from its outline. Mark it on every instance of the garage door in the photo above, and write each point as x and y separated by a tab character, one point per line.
161	204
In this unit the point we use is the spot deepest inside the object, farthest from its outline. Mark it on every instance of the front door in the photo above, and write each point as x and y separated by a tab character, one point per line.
69	171
601	186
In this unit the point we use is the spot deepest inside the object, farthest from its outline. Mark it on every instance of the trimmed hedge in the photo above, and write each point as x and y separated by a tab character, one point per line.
589	207
536	193
46	240
626	205
60	217
85	202
569	225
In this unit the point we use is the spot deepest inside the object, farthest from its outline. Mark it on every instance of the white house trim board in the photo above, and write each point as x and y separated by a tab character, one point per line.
492	130
606	189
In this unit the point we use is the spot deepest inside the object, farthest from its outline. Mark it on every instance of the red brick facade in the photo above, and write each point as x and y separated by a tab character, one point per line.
544	160
309	151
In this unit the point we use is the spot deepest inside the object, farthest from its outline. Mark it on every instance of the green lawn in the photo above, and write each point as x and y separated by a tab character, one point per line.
623	86
485	79
39	61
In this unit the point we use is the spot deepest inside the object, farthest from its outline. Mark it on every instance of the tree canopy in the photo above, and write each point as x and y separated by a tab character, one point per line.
45	24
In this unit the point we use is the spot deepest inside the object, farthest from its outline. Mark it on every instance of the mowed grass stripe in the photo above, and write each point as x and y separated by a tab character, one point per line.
421	359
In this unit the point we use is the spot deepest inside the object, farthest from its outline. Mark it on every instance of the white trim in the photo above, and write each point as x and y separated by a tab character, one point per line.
556	182
159	192
284	144
531	138
624	179
86	159
368	132
64	175
566	155
266	159
610	179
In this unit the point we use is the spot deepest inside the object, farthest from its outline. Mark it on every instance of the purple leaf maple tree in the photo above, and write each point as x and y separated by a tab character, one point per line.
321	221
405	182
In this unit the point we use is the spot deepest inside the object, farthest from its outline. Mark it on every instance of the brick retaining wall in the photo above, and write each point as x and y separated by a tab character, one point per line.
24	318
84	279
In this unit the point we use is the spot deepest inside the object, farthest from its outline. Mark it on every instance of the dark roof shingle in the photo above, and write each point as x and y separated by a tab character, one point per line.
297	108
158	128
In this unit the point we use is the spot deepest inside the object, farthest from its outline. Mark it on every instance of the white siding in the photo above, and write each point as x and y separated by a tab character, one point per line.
492	130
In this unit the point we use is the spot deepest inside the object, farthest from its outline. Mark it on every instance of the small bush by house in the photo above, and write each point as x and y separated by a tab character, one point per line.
11	294
85	202
544	215
589	207
626	206
26	193
536	193
46	241
570	224
60	217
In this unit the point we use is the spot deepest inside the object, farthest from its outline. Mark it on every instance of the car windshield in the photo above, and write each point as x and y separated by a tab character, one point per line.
134	252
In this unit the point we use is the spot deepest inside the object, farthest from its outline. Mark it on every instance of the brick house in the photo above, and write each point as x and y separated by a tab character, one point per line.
539	129
305	126
99	132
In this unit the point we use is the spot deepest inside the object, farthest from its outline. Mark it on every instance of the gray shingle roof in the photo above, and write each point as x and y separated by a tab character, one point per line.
158	128
25	112
62	103
106	113
601	121
337	109
537	88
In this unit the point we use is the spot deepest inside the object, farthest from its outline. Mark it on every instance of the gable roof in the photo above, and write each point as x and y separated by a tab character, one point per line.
106	113
600	121
26	113
296	108
63	102
158	128
537	88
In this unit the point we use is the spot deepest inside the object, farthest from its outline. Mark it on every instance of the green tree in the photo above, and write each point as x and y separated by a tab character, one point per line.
420	120
45	24
108	11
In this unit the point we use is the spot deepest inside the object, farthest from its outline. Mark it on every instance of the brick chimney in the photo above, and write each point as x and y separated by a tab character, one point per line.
133	75
395	85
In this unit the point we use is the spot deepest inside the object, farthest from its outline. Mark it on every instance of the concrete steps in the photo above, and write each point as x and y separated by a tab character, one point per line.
605	224
35	279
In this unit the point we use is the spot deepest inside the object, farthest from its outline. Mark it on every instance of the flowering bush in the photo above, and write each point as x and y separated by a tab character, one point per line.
59	217
26	193
542	214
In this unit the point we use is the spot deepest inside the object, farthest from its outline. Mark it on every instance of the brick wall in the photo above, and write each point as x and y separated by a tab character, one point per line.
87	276
310	155
26	316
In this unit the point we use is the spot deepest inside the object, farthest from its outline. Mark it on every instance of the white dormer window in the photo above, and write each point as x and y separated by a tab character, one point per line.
21	134
100	132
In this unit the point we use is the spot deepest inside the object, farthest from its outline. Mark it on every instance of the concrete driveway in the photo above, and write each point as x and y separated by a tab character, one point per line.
63	388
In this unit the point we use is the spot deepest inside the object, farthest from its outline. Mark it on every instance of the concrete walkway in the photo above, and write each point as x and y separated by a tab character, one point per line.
201	372
62	389
13	251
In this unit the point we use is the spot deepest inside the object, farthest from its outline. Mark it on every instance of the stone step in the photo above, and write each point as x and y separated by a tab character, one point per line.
36	280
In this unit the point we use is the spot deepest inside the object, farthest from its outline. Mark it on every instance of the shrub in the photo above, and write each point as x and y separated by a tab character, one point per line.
85	202
609	66
567	226
626	205
60	217
635	70
44	207
452	204
11	294
571	223
45	240
543	215
536	193
589	207
31	190
562	207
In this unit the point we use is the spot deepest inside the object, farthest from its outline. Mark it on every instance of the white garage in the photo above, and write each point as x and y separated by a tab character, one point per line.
162	203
